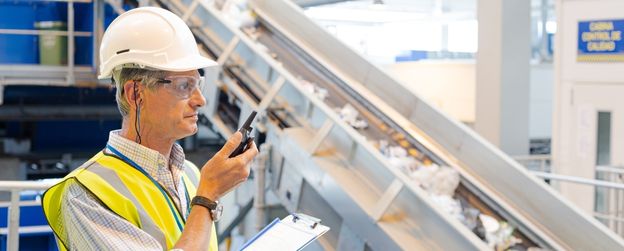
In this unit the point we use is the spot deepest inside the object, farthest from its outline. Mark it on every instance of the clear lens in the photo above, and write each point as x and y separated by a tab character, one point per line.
183	86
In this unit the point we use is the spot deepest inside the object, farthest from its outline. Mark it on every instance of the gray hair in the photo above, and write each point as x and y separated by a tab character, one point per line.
148	78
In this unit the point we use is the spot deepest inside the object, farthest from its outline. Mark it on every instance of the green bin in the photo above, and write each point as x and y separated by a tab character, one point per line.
52	48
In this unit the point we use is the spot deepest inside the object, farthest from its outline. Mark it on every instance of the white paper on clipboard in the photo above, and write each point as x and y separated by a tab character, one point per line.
294	232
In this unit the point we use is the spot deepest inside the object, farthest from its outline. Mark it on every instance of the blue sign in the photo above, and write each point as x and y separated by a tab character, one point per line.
411	56
601	41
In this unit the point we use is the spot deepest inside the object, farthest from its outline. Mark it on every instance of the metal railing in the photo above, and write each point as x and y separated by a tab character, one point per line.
540	163
7	77
608	187
609	194
13	216
609	205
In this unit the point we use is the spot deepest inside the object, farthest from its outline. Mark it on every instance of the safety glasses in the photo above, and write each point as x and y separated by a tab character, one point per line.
182	86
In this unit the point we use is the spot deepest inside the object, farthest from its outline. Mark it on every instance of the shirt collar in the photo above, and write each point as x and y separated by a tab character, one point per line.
152	161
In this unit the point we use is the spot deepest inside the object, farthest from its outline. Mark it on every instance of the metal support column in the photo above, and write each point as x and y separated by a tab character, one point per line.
14	214
70	43
260	178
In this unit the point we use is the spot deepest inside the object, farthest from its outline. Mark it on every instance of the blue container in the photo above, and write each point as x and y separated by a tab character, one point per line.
109	15
18	49
24	49
84	45
51	11
83	21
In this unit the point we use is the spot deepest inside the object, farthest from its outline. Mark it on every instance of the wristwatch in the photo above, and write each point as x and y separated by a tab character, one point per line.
215	208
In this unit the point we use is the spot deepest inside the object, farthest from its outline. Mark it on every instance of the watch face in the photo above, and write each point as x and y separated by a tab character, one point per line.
217	212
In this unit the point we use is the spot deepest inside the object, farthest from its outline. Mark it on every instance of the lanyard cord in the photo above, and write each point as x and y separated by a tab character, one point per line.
162	191
188	199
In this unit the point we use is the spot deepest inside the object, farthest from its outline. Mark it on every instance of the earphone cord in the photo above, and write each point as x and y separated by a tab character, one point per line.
137	123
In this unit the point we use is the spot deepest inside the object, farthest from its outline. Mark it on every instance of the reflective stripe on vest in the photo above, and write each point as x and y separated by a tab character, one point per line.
128	193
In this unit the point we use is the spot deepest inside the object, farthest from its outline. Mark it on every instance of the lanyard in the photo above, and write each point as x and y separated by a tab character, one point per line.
188	199
174	211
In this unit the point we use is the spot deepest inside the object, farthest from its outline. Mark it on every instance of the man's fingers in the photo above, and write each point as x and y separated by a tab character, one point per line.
250	153
232	143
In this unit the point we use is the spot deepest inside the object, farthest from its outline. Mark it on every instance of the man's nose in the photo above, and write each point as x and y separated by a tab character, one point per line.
197	98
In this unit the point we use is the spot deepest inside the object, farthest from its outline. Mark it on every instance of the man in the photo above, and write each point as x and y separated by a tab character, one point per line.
140	193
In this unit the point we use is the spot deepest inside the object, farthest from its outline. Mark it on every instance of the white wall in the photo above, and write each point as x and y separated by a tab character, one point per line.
448	85
581	90
451	87
541	101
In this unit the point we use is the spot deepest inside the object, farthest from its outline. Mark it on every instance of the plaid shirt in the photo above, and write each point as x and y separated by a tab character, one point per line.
90	226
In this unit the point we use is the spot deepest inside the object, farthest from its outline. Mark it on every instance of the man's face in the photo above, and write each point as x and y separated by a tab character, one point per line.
171	109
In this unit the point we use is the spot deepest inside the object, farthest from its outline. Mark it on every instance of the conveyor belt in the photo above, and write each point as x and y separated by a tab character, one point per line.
298	62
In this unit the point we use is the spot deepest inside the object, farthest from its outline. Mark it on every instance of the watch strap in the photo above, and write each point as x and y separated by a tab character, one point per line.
204	202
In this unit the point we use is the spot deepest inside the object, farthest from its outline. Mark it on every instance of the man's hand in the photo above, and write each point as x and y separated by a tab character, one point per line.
218	176
221	174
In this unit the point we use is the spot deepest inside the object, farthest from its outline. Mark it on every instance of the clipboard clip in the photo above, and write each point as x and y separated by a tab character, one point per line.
312	222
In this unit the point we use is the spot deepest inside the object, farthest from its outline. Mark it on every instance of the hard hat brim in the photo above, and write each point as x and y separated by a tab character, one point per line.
192	62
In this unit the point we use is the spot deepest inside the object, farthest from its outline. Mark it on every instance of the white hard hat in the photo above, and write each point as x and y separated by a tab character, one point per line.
150	37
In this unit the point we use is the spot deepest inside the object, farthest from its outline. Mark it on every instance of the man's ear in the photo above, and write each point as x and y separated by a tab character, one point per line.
132	92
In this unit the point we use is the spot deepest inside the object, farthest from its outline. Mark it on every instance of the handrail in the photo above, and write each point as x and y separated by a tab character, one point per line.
610	169
15	187
532	157
578	180
610	189
10	185
608	217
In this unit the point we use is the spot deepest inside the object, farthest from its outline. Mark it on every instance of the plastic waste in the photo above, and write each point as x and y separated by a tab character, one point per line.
350	115
440	182
498	235
444	182
398	157
310	87
239	14
470	218
449	205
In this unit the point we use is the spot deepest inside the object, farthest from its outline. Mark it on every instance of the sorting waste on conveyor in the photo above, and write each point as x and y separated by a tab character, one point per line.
440	182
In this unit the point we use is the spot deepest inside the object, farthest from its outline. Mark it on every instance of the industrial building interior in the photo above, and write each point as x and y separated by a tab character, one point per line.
401	124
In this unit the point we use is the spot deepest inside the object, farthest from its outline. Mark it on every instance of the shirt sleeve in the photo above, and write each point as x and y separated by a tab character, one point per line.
89	225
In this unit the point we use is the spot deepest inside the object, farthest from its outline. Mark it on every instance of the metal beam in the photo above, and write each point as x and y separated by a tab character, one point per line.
36	112
312	3
43	32
30	74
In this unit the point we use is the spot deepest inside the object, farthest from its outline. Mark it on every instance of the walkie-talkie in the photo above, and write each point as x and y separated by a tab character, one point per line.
247	138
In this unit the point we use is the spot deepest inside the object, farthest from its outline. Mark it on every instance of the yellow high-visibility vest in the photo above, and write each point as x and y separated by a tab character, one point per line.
128	192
